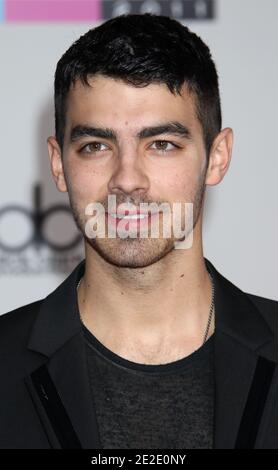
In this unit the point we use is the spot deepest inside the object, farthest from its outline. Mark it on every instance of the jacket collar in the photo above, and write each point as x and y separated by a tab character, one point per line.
236	315
58	318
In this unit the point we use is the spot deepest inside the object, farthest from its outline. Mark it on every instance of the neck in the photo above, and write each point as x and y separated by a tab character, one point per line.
151	312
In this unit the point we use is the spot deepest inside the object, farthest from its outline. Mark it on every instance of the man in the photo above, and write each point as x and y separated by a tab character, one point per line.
145	344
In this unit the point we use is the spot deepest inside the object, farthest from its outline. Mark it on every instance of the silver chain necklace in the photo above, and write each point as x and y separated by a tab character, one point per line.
210	311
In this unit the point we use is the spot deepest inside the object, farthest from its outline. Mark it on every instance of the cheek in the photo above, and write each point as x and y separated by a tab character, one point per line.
85	184
180	186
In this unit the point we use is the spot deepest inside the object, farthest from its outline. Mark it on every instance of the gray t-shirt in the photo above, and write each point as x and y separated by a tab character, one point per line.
143	406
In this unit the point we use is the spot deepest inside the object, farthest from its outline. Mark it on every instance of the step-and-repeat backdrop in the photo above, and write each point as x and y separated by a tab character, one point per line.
39	243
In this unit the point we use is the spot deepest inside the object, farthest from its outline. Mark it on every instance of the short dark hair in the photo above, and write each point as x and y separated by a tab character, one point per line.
140	50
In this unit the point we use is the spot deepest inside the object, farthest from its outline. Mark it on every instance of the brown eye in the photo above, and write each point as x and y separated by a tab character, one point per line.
163	145
94	146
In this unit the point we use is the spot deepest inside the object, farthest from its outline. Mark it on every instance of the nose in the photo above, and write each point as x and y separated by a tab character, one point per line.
129	176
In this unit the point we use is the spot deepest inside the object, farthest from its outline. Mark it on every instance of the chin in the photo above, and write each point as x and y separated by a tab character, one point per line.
132	252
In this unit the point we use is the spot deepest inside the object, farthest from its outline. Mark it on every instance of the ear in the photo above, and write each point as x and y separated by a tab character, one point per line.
220	156
56	163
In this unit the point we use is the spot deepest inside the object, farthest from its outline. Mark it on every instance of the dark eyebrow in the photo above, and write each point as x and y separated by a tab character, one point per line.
175	127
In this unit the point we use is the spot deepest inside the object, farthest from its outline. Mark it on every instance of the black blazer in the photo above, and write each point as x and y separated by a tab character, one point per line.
45	399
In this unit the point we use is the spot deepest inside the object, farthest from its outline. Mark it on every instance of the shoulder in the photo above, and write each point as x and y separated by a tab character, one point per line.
16	324
267	307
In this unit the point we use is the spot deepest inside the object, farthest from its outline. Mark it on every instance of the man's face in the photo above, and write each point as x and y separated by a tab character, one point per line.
165	167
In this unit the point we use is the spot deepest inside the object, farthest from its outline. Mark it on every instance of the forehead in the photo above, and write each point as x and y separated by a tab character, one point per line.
114	102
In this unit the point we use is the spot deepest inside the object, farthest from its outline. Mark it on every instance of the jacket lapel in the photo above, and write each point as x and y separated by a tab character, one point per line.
242	374
60	386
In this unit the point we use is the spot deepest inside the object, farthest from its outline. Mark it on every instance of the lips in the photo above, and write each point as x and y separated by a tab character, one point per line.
132	214
129	216
134	221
